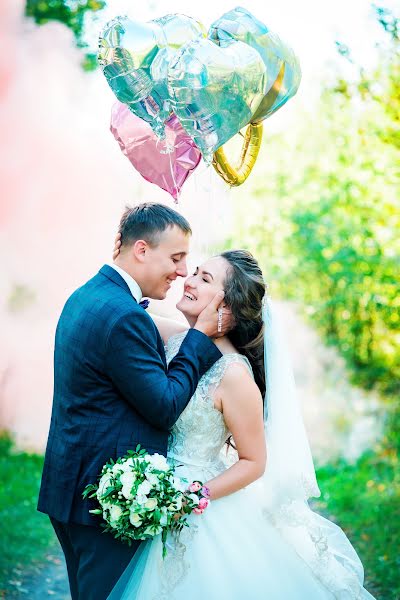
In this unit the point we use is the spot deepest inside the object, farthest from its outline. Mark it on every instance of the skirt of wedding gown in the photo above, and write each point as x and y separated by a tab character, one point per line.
234	551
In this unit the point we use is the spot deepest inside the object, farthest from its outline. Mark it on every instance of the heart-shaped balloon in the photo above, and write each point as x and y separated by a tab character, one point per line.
166	163
282	66
215	90
239	75
135	56
281	83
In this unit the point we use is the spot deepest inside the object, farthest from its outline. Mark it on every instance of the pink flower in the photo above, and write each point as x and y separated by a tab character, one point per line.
194	487
198	511
203	503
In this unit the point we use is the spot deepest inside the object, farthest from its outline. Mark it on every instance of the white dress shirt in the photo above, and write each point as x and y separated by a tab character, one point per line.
131	283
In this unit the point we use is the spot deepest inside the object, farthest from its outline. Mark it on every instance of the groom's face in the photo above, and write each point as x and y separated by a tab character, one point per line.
165	262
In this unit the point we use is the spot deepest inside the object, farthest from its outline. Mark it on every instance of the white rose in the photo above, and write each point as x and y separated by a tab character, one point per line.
115	512
127	479
141	499
151	504
135	519
152	479
116	468
144	488
127	465
159	462
194	498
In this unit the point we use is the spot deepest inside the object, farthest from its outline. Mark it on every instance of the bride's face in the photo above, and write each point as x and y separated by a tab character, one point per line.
201	287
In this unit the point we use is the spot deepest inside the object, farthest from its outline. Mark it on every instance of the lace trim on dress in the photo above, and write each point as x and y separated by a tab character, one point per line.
174	568
299	526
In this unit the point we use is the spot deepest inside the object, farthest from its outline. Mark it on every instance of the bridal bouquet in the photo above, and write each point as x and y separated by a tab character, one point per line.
140	497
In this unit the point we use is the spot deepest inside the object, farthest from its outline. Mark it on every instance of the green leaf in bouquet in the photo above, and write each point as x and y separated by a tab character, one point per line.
157	515
89	491
108	492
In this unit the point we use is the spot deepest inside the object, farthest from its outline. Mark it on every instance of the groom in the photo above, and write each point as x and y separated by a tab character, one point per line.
113	389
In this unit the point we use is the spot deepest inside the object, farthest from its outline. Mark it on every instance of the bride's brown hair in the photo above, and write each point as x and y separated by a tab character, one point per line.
244	292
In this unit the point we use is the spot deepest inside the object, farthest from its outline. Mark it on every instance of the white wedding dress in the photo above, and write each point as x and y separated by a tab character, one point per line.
236	550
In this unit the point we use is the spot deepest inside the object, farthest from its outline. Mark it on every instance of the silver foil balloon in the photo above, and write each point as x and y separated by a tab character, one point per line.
215	90
135	57
282	66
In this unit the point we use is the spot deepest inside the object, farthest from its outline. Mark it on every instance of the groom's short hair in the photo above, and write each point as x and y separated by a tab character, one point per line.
147	221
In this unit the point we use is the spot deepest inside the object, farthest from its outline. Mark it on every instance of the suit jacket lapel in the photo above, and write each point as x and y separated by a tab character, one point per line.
116	278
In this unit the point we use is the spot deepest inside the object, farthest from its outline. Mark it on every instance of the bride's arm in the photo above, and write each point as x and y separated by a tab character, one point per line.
243	412
168	327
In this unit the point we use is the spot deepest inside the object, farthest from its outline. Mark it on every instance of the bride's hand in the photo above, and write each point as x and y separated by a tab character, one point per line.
117	246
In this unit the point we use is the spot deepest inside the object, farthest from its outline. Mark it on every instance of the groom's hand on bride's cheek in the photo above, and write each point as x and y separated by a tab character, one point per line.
209	321
117	246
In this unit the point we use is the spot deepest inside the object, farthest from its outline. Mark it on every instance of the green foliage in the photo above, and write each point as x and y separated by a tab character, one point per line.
365	498
70	12
324	219
25	533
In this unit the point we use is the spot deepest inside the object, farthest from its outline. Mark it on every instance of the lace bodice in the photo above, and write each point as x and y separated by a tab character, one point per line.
200	432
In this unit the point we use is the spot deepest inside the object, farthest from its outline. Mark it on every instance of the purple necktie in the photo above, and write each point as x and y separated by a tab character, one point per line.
144	304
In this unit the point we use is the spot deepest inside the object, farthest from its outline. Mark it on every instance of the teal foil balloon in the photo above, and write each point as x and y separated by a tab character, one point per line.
215	90
135	58
283	72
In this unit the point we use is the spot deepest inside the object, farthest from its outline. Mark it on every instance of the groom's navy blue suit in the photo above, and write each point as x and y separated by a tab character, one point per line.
112	391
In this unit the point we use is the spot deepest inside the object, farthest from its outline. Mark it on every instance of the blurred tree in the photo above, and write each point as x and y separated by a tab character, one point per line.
326	229
71	13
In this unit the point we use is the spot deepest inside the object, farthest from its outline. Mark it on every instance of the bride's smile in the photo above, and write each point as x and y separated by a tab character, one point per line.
201	287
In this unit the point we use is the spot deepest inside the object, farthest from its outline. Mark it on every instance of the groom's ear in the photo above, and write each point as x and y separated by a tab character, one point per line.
139	249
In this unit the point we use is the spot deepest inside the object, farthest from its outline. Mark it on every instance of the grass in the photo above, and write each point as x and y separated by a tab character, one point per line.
25	535
364	499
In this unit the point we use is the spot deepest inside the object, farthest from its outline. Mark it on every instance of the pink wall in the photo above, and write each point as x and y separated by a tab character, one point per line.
64	183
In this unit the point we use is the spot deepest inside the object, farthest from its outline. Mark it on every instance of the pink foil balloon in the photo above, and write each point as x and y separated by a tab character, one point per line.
167	163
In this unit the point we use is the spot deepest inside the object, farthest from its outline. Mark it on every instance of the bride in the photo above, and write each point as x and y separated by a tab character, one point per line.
258	539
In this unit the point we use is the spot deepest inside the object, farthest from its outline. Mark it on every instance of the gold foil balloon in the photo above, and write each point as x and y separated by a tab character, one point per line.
236	175
135	58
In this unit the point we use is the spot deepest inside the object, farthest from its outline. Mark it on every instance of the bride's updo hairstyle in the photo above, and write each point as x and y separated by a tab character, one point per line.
244	292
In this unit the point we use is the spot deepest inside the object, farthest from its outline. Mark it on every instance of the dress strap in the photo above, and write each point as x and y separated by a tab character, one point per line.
215	375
